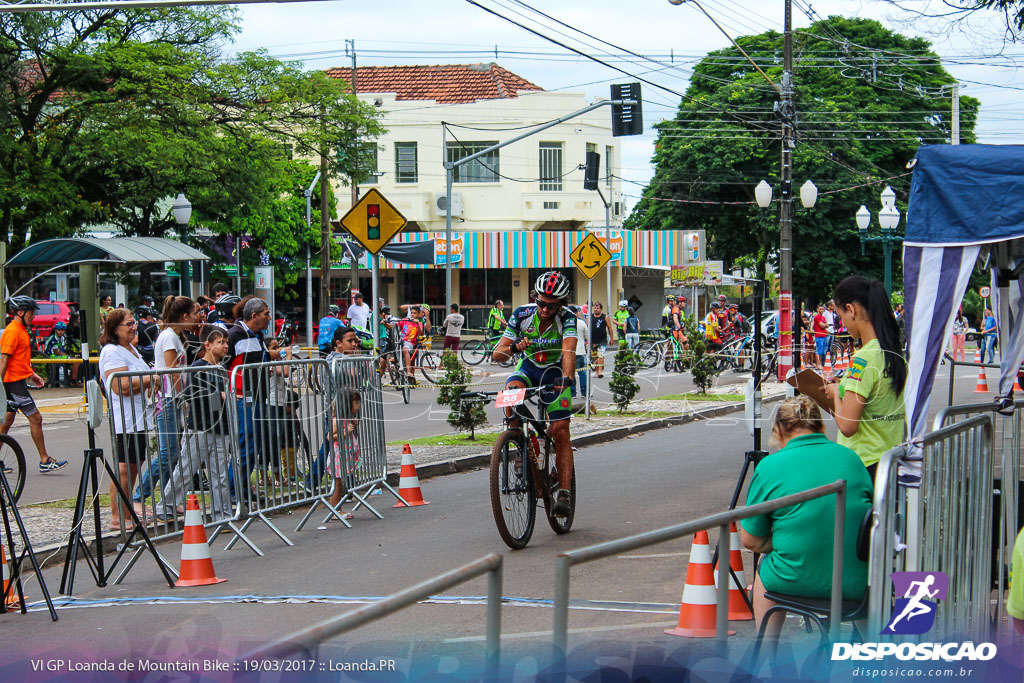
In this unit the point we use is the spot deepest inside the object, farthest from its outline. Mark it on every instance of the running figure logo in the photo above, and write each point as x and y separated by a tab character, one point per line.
914	613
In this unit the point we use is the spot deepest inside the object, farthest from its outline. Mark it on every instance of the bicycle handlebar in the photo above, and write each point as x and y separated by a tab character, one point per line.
530	391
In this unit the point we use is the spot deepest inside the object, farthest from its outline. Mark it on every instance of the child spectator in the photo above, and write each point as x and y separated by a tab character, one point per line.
206	436
346	444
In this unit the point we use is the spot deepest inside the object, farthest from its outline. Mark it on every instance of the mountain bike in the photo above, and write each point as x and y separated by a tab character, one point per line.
12	456
429	362
514	494
395	365
474	353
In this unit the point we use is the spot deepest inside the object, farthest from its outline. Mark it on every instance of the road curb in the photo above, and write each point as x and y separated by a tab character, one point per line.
467	463
55	554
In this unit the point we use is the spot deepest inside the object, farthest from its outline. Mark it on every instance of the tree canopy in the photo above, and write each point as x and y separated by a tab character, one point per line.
106	114
866	99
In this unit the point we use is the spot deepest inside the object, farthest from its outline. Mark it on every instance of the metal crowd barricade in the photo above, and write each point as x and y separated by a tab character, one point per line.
181	413
565	561
282	411
358	444
946	526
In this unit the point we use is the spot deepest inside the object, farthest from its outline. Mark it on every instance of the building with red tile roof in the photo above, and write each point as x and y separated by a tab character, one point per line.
444	84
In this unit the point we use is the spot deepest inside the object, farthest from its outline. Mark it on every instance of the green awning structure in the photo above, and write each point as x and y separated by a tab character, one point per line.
112	250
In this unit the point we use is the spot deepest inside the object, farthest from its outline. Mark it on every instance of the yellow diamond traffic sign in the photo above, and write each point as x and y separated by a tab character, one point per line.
590	256
373	221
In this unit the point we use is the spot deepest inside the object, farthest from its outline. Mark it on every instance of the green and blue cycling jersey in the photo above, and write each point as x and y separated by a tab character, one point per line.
542	362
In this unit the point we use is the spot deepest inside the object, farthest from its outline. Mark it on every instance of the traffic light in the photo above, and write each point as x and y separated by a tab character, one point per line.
591	170
373	221
627	119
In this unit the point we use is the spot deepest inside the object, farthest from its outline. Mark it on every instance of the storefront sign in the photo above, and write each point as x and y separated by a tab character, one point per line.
697	274
441	250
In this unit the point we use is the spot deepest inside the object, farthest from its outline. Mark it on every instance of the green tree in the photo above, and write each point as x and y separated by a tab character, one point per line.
862	113
623	384
464	414
702	366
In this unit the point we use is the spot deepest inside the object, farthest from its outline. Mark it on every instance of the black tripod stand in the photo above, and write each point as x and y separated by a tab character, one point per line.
7	500
88	487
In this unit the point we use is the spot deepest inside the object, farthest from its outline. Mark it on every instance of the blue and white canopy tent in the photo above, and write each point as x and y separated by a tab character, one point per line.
965	204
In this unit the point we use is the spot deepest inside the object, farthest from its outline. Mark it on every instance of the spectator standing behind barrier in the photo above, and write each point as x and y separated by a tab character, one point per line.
218	290
325	333
168	353
988	338
16	372
145	317
106	307
345	444
129	409
819	326
246	347
582	356
601	335
358	313
868	401
206	439
344	343
275	420
960	326
58	346
452	326
632	328
796	541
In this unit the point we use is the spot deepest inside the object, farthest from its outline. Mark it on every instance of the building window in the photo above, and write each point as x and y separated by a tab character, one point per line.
608	165
482	170
364	170
405	162
550	205
550	167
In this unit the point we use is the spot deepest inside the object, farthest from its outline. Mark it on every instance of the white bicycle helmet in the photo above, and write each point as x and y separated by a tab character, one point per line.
554	284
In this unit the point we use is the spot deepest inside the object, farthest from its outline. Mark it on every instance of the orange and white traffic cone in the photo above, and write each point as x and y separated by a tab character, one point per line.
738	610
982	386
828	363
9	589
196	563
409	482
697	608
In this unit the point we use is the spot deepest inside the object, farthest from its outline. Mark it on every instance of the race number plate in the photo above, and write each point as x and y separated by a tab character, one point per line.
512	397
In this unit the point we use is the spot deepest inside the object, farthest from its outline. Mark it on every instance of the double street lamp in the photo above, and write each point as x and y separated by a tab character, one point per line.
888	219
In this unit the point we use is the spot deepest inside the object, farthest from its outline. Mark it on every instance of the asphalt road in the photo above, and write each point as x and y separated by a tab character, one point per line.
622	603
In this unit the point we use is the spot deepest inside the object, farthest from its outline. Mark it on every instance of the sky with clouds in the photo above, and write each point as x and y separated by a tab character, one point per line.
456	31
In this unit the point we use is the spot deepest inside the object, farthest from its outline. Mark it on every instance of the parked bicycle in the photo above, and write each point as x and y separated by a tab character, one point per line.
12	458
668	351
476	352
529	448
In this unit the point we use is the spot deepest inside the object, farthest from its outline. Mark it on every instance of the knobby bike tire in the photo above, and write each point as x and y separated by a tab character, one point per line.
12	455
429	363
560	525
474	353
648	354
513	497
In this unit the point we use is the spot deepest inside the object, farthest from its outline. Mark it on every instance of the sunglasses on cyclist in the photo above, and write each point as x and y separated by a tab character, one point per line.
550	305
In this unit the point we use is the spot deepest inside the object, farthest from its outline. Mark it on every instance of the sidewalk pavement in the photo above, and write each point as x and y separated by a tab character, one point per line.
49	524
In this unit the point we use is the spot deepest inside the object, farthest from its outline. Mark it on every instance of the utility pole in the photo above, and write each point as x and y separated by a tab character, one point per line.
325	238
787	112
350	49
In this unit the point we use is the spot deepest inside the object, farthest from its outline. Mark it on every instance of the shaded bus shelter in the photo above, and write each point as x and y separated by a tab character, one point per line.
90	252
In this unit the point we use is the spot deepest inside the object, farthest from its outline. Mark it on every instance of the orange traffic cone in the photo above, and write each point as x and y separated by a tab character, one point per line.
982	386
828	363
9	589
196	563
738	610
408	482
697	608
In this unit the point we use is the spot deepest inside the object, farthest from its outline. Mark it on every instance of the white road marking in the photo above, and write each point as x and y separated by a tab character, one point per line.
547	634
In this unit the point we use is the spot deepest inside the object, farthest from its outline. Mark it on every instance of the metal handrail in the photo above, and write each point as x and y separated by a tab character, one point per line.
310	637
565	561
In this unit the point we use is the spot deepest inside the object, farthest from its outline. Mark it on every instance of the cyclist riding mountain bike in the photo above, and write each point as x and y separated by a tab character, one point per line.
545	333
410	331
496	319
325	333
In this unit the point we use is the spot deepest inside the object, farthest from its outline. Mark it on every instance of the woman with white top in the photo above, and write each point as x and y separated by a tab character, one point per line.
127	399
169	353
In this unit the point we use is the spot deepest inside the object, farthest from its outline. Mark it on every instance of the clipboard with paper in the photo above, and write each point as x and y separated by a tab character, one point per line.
812	384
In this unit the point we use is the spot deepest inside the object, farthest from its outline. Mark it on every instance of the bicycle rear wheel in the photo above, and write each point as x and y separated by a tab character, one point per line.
649	354
12	456
560	524
513	498
474	352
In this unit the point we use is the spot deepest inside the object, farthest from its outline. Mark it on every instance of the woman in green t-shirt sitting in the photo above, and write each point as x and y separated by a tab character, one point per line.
797	541
869	399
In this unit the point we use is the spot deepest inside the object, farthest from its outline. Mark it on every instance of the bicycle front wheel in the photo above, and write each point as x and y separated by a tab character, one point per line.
429	364
513	497
474	352
12	456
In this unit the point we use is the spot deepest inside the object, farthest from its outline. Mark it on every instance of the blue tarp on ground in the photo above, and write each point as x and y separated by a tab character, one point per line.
966	194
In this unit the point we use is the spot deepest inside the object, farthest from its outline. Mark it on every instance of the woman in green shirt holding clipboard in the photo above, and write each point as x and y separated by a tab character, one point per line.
869	399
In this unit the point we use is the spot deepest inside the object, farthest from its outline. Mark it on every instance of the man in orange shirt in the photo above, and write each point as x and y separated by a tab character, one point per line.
16	369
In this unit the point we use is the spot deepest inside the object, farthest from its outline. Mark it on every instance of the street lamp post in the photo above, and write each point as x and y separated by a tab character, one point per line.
888	219
808	198
182	212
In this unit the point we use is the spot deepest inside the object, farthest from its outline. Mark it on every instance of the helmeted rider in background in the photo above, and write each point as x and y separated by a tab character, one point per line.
544	333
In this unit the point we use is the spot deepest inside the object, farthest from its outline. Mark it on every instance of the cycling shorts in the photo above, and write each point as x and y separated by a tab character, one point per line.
558	404
19	398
